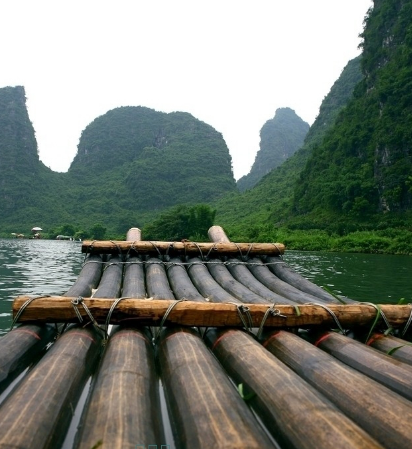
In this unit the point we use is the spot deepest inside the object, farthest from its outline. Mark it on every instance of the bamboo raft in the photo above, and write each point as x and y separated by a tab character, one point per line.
199	345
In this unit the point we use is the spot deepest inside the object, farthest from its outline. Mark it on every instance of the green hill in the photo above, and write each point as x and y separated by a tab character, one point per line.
361	172
131	164
280	137
269	203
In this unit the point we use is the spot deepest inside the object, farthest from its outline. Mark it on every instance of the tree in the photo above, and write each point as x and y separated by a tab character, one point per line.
181	222
98	232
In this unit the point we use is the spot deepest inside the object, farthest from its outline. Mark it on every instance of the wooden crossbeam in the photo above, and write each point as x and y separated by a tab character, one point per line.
188	313
189	248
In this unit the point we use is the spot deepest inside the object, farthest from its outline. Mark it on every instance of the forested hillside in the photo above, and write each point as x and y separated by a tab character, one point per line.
255	213
132	163
280	137
362	171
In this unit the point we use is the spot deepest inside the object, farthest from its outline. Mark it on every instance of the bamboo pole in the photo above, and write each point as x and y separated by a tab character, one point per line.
379	411
157	283
191	313
271	281
393	373
205	283
284	272
296	414
123	408
88	278
133	279
189	248
19	348
37	413
205	408
111	281
181	283
397	347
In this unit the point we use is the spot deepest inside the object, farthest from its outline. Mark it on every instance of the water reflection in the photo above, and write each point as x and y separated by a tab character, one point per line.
35	267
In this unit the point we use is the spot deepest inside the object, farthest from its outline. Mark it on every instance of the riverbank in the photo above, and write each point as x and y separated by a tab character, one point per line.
388	241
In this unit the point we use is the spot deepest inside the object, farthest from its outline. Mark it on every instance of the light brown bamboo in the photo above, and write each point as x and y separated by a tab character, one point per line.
191	313
114	247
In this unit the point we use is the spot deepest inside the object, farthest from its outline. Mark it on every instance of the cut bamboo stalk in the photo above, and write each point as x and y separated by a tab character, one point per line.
297	415
133	235
180	281
20	347
379	411
88	278
217	234
390	372
45	399
157	284
185	248
190	313
123	407
397	347
206	410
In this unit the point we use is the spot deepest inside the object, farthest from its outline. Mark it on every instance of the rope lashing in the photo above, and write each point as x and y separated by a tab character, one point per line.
79	301
113	306
89	250
23	307
408	323
272	311
331	312
379	312
165	316
244	310
156	248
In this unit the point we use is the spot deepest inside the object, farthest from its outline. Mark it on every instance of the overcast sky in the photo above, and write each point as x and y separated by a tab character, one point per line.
230	63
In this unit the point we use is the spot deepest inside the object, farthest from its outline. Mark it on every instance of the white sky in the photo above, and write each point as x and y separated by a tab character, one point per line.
229	63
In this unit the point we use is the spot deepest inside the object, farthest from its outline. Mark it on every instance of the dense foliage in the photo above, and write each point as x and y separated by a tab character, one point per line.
132	163
181	222
269	203
280	137
362	169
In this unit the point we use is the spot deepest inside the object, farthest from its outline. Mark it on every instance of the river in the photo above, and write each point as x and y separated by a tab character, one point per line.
50	267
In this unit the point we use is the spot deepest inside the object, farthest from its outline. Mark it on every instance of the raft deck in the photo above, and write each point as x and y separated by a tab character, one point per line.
246	352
